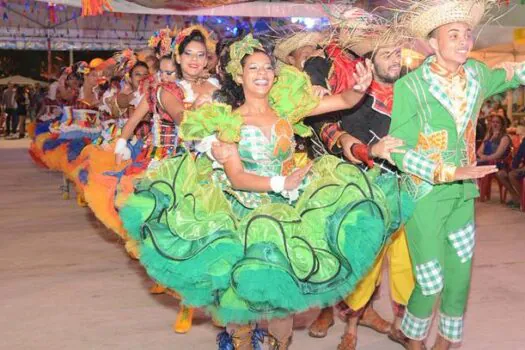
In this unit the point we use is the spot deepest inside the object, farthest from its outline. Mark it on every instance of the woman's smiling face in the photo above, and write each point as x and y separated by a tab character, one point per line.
193	59
258	74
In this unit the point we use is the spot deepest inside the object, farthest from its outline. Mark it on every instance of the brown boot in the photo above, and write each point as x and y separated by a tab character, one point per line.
325	320
348	342
397	336
371	319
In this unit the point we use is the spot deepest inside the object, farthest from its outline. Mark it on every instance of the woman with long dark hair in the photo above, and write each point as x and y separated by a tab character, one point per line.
191	54
115	107
257	238
178	86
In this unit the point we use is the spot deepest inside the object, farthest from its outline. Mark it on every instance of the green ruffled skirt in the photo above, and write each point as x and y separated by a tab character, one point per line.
243	264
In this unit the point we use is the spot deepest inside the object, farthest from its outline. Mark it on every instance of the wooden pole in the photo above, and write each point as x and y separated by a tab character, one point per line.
510	102
49	60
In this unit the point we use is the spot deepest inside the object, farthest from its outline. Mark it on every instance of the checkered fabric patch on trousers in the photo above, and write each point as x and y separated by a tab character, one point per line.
429	277
464	240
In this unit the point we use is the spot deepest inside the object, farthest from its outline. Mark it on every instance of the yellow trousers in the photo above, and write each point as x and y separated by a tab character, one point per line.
399	271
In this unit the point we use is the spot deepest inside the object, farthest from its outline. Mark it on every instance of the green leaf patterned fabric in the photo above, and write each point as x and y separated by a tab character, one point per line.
270	261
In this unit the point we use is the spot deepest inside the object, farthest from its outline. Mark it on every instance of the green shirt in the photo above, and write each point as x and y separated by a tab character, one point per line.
422	117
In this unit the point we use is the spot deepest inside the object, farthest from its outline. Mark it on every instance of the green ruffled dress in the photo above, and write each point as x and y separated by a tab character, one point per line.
247	256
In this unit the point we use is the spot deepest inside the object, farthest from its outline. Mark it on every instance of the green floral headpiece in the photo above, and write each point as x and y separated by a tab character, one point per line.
238	50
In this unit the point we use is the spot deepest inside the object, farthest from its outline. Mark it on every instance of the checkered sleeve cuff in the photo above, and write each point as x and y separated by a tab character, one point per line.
417	164
414	327
451	328
330	134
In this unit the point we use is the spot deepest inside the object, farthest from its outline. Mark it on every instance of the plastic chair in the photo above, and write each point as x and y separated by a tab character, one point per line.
522	198
485	188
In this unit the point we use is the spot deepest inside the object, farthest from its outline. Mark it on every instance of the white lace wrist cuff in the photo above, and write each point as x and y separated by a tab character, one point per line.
120	146
277	183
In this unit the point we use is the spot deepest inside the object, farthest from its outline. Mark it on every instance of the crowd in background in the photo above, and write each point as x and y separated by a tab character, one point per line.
501	142
19	104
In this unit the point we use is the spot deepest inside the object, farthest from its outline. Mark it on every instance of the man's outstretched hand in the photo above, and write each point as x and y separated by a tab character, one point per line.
474	172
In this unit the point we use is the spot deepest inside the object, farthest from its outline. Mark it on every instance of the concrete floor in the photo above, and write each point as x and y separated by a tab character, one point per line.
66	282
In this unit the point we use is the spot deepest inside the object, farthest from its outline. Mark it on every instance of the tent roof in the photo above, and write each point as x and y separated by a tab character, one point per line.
241	8
20	80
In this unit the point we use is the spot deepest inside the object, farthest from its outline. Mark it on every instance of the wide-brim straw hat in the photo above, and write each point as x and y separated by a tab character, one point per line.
295	41
422	17
363	32
362	42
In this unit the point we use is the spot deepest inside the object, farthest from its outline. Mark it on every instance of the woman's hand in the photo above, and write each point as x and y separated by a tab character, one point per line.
201	100
222	151
363	76
320	91
295	179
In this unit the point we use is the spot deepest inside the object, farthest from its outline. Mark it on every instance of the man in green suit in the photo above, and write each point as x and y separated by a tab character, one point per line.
435	112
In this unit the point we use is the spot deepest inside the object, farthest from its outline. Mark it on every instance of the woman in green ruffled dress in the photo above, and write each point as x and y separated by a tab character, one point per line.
255	238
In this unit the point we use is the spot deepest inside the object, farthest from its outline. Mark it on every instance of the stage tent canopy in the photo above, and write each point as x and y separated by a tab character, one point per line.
20	80
59	25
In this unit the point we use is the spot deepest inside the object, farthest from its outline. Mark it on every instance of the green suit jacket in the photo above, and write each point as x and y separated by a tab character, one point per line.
422	116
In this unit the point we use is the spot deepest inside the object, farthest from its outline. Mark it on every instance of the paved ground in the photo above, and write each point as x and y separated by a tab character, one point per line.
66	282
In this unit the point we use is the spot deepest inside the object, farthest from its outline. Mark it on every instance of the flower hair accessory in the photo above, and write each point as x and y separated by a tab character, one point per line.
83	67
238	50
162	39
210	44
125	60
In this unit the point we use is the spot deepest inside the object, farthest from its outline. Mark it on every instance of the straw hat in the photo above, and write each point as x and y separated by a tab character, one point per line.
363	32
293	42
422	17
363	42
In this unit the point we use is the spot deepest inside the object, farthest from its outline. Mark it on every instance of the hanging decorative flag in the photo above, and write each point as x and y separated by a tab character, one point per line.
52	14
95	7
